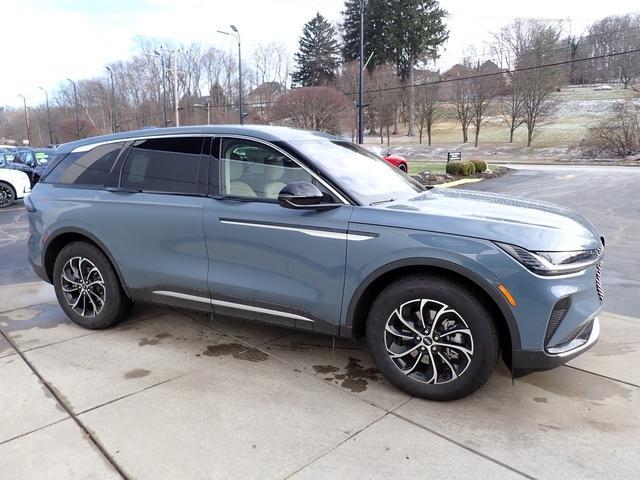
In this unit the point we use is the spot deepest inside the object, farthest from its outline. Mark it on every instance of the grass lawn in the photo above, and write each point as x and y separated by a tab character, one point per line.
433	167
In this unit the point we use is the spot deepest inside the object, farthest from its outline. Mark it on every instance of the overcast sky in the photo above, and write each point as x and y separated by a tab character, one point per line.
46	41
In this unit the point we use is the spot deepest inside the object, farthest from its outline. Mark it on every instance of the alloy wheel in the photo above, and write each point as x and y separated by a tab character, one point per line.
429	341
83	286
6	195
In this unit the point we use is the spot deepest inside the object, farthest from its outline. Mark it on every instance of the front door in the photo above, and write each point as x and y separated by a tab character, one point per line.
267	262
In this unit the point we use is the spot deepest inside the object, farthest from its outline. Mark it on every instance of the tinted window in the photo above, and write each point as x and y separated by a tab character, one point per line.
85	168
164	165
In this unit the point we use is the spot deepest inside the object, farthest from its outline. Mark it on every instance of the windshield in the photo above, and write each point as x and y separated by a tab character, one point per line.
363	175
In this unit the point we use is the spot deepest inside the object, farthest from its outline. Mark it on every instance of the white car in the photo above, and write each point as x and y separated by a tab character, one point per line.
14	184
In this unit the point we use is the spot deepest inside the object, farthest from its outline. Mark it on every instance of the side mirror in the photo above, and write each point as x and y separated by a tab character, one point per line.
303	195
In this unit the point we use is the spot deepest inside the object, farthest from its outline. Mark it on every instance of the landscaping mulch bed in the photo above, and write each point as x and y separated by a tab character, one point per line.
428	178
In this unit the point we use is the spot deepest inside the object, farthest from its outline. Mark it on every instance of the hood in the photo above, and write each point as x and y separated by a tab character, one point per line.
530	224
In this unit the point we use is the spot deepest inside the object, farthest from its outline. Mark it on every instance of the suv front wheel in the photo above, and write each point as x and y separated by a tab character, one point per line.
432	337
87	287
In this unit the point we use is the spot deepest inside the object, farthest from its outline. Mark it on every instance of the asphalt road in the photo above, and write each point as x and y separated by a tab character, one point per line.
610	198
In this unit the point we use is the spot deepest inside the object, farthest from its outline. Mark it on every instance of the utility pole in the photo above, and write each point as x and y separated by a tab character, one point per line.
75	99
26	118
240	100
46	96
164	87
114	123
361	79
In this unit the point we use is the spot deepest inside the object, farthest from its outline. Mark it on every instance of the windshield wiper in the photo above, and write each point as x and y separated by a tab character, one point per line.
382	201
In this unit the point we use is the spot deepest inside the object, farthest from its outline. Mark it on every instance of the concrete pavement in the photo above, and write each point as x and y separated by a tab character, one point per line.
176	394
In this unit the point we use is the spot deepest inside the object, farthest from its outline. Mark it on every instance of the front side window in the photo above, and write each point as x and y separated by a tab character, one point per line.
85	168
254	170
166	165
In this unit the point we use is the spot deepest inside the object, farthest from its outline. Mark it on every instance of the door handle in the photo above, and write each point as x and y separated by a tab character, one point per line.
123	190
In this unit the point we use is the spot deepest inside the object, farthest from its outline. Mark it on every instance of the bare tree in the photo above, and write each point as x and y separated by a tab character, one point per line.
617	135
313	108
613	35
383	100
427	109
461	96
511	107
483	90
529	46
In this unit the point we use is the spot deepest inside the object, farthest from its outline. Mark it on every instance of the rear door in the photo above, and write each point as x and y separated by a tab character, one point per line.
149	216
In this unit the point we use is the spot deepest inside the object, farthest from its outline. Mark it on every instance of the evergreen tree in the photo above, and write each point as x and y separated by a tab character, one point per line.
402	32
319	54
375	38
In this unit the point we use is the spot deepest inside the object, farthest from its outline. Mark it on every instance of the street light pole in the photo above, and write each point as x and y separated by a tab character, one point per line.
75	99
114	124
26	118
240	100
361	79
175	87
46	96
164	87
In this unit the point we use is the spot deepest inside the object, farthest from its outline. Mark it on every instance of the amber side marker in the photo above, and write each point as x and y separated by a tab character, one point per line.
507	295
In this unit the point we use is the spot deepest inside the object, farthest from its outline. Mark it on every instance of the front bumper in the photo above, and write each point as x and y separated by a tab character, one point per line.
524	362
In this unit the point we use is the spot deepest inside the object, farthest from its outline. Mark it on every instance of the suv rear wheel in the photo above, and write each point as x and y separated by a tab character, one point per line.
87	287
432	337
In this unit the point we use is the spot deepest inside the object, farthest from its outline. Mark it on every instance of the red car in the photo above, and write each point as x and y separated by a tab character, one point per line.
394	160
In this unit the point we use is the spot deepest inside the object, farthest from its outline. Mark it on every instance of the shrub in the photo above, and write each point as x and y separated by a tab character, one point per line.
481	165
454	168
468	168
461	168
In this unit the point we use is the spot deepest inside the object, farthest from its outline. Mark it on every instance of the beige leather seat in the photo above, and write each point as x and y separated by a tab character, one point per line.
236	186
274	170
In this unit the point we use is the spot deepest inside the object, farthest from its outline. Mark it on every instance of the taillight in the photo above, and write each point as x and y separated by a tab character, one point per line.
28	203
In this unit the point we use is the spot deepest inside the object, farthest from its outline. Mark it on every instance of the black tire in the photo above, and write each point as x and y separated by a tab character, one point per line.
96	270
464	308
403	167
7	195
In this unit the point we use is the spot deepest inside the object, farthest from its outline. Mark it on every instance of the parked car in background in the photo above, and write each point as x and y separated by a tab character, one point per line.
395	160
14	185
308	231
6	155
33	162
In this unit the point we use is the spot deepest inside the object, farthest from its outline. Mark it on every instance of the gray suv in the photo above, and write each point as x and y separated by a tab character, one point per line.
308	231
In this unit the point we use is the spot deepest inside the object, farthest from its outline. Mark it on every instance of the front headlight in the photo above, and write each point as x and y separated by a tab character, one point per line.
552	263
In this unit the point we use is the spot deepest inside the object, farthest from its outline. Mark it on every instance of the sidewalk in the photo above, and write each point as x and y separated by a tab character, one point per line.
173	394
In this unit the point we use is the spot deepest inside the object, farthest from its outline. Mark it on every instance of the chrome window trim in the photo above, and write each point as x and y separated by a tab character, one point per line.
238	306
91	146
286	154
356	237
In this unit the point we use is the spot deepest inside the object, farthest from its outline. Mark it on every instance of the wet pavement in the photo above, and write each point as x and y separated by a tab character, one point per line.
177	394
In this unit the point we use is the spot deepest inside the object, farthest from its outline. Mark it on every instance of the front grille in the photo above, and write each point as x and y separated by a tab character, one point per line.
557	314
599	274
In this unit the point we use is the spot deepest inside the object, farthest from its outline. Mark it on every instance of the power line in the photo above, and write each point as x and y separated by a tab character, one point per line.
504	72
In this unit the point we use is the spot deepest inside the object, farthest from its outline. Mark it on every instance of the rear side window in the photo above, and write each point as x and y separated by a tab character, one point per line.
85	168
167	165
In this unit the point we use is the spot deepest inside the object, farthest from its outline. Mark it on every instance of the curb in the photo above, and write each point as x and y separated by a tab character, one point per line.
455	183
